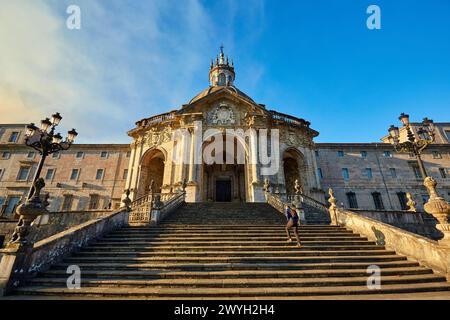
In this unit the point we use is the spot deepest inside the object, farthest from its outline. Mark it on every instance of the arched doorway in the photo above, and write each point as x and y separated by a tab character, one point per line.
225	180
152	169
294	169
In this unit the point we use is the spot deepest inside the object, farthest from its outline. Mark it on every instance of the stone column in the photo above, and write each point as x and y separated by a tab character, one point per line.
137	169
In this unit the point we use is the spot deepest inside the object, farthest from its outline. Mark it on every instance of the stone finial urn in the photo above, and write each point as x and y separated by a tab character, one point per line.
438	208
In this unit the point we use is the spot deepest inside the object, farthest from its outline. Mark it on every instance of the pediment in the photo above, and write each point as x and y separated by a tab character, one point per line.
216	104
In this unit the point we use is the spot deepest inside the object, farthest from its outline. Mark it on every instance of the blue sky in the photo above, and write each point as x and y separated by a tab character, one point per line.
313	59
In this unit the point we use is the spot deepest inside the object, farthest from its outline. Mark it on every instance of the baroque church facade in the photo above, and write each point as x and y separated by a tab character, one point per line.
209	117
369	176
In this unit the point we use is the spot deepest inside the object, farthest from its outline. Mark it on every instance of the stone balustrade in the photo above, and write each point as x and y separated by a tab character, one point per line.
19	262
427	252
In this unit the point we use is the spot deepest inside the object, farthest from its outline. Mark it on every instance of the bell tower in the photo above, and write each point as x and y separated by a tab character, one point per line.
221	72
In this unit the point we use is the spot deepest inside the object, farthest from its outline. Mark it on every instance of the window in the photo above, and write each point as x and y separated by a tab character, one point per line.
23	173
79	155
387	154
415	167
125	174
12	203
94	200
1	173
67	202
222	79
442	171
99	174
393	172
340	153
345	174
128	154
352	202
56	155
50	173
6	155
378	201
437	155
31	155
13	137
447	133
363	154
74	174
316	153
402	200
368	172
104	155
319	173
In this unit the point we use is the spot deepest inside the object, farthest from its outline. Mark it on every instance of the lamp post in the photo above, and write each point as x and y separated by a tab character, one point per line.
46	142
436	205
413	145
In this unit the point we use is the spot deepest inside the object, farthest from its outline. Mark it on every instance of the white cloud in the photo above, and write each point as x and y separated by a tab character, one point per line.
126	62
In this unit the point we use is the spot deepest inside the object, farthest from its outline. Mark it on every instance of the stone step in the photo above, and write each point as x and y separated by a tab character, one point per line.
236	266
239	283
163	274
253	248
133	292
220	253
241	227
218	238
230	259
227	233
229	242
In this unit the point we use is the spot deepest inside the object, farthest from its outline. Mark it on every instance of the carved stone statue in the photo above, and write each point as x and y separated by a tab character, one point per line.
183	185
266	186
411	203
332	200
333	207
127	201
298	187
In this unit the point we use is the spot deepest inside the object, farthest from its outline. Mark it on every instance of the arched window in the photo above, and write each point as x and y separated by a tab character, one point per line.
222	79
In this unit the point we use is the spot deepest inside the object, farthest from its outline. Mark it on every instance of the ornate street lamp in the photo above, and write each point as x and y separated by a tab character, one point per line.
46	142
436	205
413	145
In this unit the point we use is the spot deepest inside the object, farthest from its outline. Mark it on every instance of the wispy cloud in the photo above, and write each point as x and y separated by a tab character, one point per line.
129	60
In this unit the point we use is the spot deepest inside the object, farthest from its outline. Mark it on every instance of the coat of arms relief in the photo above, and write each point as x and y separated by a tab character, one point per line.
222	115
292	139
155	137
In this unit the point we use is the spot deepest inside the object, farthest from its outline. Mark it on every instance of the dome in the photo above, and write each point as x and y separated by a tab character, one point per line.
214	89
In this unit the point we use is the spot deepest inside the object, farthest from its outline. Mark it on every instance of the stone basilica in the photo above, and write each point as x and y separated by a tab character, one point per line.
221	106
94	176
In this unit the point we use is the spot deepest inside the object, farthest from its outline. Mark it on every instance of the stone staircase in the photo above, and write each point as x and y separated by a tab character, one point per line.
231	251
